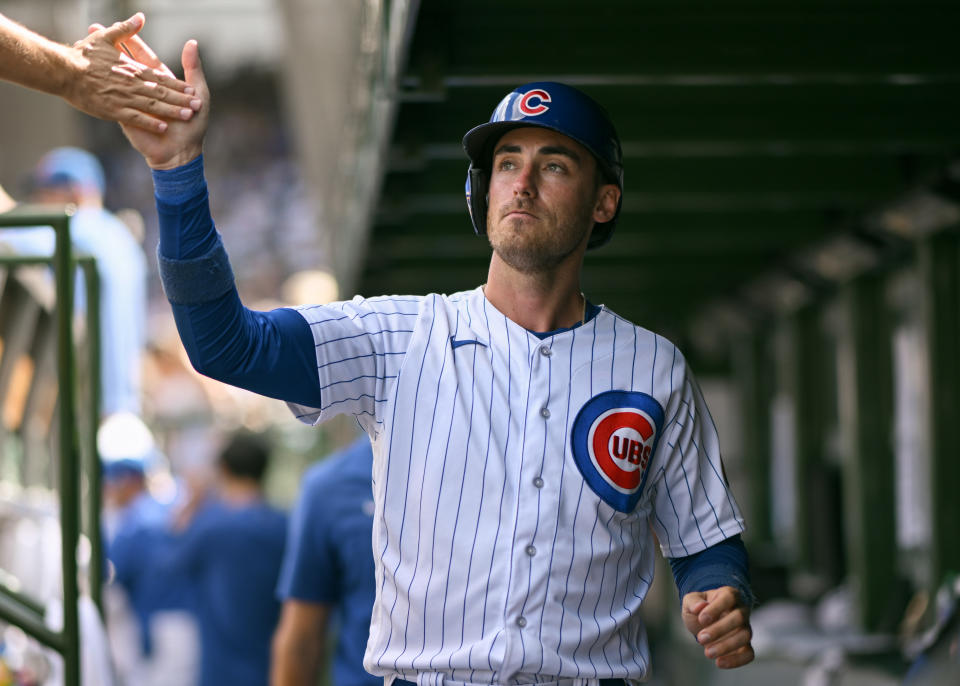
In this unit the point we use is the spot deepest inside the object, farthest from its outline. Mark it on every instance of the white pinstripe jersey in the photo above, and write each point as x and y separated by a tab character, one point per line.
508	549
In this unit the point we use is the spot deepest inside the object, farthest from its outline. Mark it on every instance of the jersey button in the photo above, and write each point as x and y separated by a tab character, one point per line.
521	622
545	350
544	412
538	482
531	551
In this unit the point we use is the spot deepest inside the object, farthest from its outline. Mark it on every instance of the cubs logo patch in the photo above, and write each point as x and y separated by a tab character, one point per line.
534	102
614	437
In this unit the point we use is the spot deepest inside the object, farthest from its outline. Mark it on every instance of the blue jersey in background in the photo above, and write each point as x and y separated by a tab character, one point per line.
233	554
329	558
141	538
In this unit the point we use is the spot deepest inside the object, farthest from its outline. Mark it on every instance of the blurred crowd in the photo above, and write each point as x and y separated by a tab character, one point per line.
207	582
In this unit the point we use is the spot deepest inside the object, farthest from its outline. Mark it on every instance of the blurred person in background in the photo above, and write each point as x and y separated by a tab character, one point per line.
151	629
230	546
70	175
327	582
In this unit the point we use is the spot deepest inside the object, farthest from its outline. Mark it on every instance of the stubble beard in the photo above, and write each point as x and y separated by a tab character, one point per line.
533	249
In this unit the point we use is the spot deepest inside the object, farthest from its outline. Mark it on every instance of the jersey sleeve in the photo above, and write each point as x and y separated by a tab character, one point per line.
270	353
693	507
309	569
360	347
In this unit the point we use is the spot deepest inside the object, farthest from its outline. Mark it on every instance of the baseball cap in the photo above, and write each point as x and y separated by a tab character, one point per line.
70	166
126	446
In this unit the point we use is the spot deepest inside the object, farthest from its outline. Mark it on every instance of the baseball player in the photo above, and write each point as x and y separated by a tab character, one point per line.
230	550
70	175
152	635
526	441
327	578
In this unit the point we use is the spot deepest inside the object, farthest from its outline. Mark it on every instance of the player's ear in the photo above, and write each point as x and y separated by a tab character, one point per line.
605	208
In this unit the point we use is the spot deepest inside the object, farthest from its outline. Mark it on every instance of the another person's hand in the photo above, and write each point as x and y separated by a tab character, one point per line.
131	87
720	621
183	140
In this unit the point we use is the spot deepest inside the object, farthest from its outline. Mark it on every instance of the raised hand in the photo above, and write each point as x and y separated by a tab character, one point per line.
135	89
720	621
183	140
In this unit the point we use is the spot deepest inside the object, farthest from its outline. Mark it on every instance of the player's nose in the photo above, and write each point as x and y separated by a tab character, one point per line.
524	183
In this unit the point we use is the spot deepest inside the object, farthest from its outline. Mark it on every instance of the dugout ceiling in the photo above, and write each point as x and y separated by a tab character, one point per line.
754	133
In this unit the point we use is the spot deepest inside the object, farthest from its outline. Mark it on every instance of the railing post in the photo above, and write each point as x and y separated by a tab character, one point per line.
69	449
940	266
92	284
869	466
13	609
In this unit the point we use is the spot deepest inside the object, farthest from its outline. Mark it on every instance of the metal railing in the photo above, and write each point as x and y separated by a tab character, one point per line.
15	607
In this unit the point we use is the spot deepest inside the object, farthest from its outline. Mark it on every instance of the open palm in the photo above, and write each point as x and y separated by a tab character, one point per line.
183	140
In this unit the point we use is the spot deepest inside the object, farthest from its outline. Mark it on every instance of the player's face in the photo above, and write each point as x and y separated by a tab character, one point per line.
543	199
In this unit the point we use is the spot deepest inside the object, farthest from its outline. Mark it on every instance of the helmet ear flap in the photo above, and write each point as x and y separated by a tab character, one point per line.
478	183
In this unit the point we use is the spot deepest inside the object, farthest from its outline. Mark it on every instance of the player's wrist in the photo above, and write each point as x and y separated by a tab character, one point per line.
180	184
178	159
64	71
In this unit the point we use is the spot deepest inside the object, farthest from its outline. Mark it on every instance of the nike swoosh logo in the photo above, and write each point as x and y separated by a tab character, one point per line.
464	341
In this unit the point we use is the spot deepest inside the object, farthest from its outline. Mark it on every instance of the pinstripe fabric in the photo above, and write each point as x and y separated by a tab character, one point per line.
496	561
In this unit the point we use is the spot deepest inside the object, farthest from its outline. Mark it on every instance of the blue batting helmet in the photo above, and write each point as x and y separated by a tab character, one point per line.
553	106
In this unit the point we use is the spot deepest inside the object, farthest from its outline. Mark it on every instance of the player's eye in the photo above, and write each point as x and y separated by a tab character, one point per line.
555	167
505	164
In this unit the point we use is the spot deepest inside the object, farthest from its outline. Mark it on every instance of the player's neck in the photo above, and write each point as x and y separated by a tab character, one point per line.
239	492
537	302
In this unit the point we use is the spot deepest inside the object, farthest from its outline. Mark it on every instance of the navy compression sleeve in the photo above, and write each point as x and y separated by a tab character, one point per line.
723	564
270	353
179	194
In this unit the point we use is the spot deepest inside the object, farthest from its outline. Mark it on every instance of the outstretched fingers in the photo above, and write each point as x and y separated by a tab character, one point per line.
122	30
156	100
123	35
192	67
136	50
144	93
183	140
